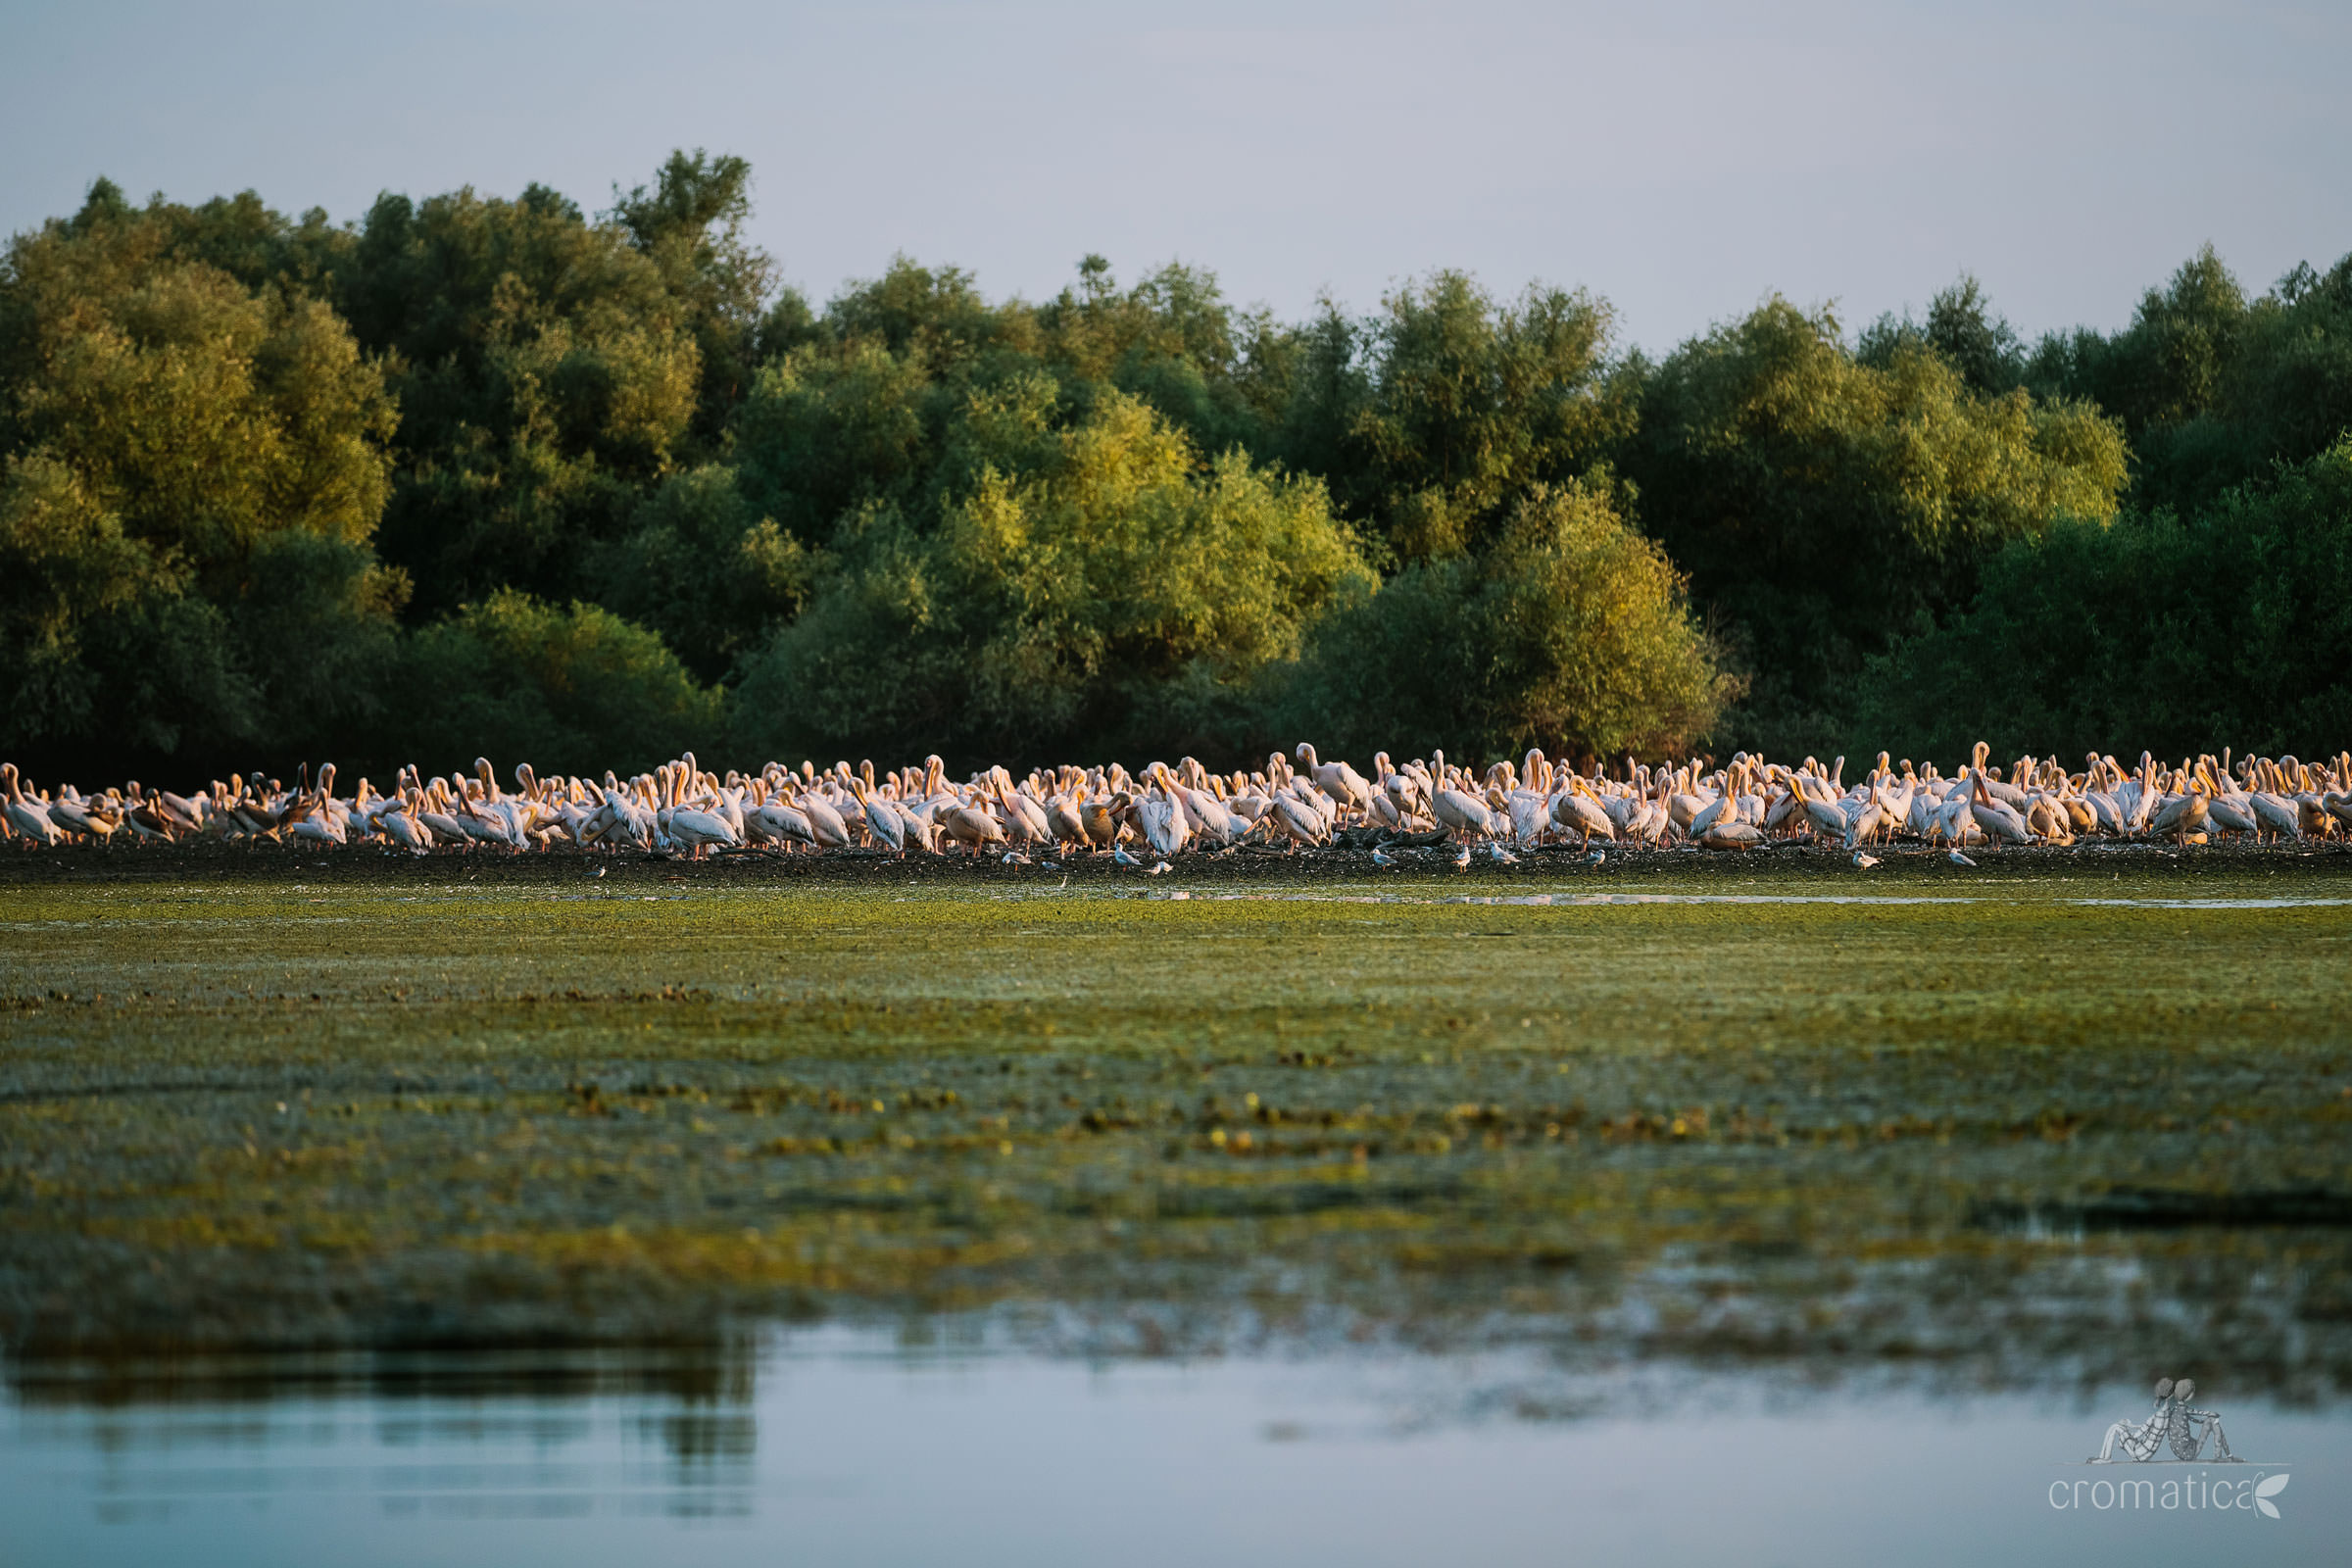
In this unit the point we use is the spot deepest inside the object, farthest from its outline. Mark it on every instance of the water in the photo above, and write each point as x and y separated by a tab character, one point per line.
836	1446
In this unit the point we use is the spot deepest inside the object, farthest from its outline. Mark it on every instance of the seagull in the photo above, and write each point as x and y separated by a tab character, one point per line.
1157	869
599	870
1049	865
1957	859
1016	857
1865	861
1461	861
1502	856
1119	855
1380	857
1597	857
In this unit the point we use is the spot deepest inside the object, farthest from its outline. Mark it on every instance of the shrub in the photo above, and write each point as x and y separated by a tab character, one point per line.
576	690
1570	632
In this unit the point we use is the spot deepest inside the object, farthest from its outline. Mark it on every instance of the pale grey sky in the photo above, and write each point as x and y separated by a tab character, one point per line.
1682	159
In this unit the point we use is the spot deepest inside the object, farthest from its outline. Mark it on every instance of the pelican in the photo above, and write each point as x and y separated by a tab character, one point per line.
1338	780
691	826
1160	820
1999	820
25	818
884	824
1461	814
1575	809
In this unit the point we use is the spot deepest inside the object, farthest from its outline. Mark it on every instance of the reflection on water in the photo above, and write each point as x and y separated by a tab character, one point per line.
834	1446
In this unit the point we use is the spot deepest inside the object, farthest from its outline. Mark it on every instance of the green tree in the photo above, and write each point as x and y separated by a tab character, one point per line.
188	465
1171	341
2231	627
1432	417
2166	377
703	569
1962	328
690	224
1822	505
834	427
1112	588
572	690
1571	632
547	376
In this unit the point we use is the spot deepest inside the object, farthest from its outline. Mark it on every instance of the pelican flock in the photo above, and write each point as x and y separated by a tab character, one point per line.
1163	812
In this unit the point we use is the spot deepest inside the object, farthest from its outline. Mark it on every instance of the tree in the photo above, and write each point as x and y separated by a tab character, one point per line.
2230	627
2164	377
1570	632
1430	418
188	465
703	569
1961	329
690	224
1822	505
2215	390
831	427
567	690
547	373
1171	341
1094	586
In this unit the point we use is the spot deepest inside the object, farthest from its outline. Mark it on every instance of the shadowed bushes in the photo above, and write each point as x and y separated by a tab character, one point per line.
2232	626
575	690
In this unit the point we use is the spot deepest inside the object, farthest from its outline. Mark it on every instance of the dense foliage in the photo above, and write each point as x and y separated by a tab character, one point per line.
1822	504
2159	631
576	690
1094	581
1570	632
478	473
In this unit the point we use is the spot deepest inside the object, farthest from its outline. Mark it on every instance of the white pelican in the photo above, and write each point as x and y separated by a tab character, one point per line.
25	818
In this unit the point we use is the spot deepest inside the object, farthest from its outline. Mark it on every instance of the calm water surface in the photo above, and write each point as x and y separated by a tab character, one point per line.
836	1446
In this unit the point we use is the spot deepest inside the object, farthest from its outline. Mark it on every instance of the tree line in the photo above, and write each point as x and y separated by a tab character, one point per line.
481	473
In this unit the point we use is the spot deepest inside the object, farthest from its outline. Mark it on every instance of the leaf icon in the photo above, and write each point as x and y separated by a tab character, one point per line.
2268	1489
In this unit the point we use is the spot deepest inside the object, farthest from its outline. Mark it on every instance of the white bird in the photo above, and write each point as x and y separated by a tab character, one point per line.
1162	823
1499	854
1344	784
1576	809
825	823
1382	858
1157	868
1865	861
1957	859
886	825
696	829
25	818
1461	858
1119	855
1462	813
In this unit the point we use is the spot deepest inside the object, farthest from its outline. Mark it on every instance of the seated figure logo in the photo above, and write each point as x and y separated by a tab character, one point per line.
2176	1432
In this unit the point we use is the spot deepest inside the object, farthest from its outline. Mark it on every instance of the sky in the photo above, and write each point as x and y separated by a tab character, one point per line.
1682	159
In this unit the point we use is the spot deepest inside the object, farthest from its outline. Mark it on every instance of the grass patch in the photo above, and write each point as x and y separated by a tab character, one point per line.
254	1110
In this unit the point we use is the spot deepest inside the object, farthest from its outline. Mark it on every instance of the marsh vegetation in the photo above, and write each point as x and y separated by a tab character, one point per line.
2056	1117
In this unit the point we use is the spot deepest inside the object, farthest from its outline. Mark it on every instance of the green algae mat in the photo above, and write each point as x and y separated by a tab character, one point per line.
2071	1118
